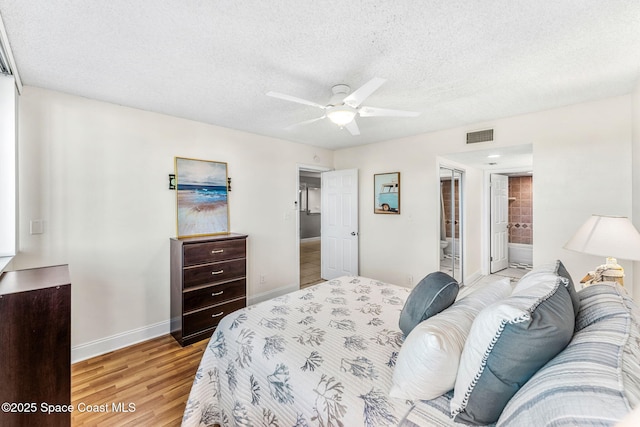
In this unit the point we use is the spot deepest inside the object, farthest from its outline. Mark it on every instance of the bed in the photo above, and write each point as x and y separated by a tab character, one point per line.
322	356
325	356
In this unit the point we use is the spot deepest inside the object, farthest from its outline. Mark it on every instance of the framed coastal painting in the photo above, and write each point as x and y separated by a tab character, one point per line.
202	197
386	187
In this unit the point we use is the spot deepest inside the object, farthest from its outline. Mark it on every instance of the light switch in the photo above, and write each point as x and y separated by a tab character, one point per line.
37	226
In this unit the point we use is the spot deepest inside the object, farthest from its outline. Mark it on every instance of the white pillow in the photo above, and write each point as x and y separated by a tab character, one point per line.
428	361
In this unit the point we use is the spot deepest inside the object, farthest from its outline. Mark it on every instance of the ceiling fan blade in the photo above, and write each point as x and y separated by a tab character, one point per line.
385	112
362	93
306	122
352	127
294	99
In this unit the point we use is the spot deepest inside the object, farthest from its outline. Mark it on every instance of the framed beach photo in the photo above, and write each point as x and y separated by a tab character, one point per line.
202	197
386	188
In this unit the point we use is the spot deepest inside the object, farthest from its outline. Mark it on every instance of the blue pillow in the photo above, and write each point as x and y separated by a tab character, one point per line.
508	342
575	299
433	294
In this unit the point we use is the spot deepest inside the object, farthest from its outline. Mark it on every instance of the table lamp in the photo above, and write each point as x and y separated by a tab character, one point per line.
609	236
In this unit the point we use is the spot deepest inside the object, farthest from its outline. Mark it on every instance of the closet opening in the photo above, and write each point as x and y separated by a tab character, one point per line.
451	222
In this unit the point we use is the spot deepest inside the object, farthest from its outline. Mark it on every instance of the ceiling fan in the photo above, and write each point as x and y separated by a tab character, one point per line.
344	105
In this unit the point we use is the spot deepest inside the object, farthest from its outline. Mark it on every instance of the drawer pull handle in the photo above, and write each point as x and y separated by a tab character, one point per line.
219	251
218	315
217	272
215	294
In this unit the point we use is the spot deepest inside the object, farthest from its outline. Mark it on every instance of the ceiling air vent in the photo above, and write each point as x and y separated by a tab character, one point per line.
480	136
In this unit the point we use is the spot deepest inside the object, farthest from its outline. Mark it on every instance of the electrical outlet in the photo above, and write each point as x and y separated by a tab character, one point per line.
409	280
36	226
263	279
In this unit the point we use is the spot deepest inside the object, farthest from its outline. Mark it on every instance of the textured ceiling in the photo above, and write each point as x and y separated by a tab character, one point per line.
515	157
456	62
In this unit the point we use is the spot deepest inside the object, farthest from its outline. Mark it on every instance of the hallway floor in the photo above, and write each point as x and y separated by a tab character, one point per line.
309	263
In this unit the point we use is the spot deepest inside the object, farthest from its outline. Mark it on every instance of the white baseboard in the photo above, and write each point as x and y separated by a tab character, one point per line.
135	336
115	342
254	299
470	280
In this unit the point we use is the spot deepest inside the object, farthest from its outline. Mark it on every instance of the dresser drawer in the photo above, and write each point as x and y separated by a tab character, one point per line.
210	317
216	294
212	273
200	253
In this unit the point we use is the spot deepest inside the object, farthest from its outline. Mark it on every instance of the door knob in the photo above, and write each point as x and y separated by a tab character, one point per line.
353	233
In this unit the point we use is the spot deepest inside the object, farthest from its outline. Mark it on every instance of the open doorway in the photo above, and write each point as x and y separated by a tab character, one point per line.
517	248
310	214
333	248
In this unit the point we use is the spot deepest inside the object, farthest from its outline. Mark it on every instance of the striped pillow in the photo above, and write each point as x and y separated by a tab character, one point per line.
596	379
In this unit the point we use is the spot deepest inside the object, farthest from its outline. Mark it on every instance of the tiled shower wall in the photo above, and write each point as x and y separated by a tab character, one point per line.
521	209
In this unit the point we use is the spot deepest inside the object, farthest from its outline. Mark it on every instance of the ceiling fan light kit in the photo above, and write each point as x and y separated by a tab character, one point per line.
344	106
341	115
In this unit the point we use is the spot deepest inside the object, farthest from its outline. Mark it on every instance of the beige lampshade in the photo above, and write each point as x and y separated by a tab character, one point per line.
607	236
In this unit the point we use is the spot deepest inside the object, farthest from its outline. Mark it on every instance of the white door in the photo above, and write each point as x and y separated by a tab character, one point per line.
339	231
499	221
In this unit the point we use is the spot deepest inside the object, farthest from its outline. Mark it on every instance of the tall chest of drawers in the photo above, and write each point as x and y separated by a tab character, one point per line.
208	281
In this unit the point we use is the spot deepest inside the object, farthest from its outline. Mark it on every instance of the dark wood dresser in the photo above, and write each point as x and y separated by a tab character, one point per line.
208	281
35	346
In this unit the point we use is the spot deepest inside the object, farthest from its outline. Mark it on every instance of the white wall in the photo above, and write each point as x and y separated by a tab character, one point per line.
394	247
96	173
582	165
636	172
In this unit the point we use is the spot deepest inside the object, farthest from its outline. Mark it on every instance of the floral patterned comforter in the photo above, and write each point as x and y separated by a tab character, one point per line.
321	356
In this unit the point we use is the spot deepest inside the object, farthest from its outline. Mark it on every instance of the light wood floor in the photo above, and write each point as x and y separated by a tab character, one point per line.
309	263
154	376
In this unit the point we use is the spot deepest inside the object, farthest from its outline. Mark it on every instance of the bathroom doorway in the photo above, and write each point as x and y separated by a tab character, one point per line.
451	222
519	222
